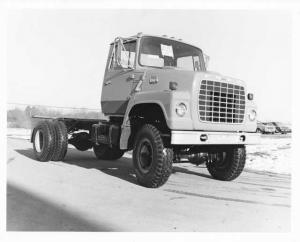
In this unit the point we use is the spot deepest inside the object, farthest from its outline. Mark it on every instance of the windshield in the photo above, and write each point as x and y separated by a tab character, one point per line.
160	52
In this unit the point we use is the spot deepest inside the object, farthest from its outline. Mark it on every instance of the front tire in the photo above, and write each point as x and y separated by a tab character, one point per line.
152	161
228	163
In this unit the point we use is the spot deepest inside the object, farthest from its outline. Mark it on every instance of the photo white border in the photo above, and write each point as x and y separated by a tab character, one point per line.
292	6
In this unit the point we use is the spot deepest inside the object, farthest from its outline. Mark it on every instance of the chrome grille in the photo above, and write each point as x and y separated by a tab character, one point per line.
221	102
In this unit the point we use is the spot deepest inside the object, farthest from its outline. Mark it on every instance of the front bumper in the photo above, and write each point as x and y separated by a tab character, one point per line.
212	138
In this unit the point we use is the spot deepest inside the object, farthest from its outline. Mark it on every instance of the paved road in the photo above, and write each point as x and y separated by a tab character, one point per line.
84	194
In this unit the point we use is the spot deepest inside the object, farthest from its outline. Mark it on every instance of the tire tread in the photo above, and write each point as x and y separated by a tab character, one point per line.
61	142
164	162
236	163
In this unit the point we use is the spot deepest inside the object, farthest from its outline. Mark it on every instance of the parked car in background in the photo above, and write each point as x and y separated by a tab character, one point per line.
289	126
281	128
265	128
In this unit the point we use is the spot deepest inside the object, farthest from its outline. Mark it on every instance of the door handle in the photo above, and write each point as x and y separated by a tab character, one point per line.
107	83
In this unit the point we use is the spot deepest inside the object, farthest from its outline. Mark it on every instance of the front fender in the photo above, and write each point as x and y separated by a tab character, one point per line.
167	100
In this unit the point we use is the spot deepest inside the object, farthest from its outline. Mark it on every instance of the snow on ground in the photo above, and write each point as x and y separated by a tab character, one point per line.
273	154
18	133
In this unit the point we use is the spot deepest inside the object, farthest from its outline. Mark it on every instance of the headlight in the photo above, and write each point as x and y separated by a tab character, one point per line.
252	115
181	109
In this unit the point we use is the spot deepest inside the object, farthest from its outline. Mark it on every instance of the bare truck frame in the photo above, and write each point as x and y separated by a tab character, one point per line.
162	103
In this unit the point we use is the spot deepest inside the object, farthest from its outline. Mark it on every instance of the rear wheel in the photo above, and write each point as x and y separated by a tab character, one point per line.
152	161
228	163
61	142
104	152
43	138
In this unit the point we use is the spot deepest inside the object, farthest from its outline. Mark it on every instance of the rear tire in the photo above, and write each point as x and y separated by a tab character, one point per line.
104	152
228	163
61	142
152	161
43	138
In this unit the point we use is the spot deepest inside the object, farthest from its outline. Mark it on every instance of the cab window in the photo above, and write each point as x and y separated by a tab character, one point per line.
190	63
161	52
125	54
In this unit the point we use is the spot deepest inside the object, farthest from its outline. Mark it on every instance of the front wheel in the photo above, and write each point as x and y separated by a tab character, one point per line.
152	161
227	163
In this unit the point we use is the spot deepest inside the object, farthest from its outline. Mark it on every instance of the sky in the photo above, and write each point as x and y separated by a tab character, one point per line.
57	57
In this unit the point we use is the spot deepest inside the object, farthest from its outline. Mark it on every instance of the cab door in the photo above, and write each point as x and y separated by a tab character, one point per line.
119	78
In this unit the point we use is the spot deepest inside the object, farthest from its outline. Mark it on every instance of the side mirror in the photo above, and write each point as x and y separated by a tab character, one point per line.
119	51
197	65
123	56
206	60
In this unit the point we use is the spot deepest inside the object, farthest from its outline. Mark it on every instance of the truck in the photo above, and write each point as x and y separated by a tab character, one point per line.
162	104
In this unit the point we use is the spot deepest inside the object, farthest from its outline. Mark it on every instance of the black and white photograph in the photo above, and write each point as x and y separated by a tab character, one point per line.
149	119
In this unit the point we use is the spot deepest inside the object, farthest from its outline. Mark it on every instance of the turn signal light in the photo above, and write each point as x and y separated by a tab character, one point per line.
173	86
250	96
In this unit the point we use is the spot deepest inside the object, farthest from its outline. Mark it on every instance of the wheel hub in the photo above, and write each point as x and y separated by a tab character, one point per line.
146	156
38	141
218	159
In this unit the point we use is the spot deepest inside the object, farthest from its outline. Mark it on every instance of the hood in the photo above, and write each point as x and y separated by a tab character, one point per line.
185	78
189	85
